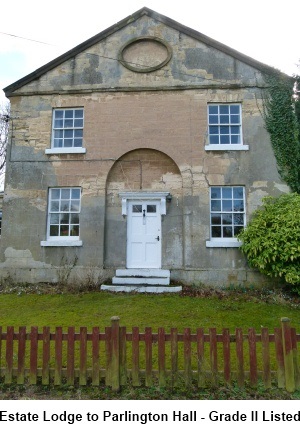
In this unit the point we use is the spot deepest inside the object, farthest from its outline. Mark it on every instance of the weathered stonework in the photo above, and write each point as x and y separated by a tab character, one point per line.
142	132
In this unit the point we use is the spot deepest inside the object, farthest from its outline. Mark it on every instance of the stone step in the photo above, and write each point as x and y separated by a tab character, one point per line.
117	280
156	289
151	273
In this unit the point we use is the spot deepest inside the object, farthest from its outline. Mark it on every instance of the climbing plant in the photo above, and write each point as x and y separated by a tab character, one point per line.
282	121
297	102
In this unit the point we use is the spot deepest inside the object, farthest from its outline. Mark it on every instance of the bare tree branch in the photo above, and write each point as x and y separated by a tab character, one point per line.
4	129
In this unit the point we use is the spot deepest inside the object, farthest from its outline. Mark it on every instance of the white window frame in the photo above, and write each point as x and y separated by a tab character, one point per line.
62	240
228	146
64	149
225	242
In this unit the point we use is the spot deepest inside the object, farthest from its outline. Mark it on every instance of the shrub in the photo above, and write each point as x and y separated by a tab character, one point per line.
271	241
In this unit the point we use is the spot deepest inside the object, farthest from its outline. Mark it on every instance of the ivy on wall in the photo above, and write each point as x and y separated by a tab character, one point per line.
281	112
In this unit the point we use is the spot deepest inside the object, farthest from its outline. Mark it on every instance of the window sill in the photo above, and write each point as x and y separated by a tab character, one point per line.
65	151
61	242
230	147
223	243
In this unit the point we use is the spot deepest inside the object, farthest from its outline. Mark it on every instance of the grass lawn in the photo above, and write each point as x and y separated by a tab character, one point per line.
226	309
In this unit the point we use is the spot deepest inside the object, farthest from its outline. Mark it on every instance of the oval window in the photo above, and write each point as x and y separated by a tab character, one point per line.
145	54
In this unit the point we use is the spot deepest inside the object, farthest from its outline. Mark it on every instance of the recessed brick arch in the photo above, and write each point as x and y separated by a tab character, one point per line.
144	169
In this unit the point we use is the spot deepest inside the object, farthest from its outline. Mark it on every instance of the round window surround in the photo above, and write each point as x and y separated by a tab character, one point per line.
145	54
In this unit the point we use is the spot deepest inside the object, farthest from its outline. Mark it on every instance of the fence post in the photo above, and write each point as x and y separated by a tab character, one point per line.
288	355
115	353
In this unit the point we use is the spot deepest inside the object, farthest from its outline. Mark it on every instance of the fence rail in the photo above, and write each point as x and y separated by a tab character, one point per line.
117	356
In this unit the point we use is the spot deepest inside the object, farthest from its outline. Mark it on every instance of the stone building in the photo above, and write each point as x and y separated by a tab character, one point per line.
143	148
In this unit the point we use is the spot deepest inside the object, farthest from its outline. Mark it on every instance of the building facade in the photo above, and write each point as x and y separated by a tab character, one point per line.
142	148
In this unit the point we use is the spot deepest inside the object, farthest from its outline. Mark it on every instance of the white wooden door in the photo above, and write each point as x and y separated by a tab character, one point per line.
144	234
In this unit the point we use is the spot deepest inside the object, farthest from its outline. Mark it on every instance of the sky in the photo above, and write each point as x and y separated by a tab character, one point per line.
265	30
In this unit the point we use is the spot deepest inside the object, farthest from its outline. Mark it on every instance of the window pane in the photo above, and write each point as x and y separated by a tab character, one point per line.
64	230
227	219
54	219
224	109
69	113
54	206
58	134
224	119
216	231
227	231
235	109
151	208
55	193
65	193
65	206
224	139
75	193
78	123
238	192
234	119
74	206
227	193
68	134
224	129
137	208
216	219
235	129
237	230
227	205
238	219
58	123
213	130
74	230
213	109
68	123
77	143
58	114
58	143
215	192
68	143
54	230
215	205
238	205
235	139
64	218
74	218
78	133
213	119
214	139
79	113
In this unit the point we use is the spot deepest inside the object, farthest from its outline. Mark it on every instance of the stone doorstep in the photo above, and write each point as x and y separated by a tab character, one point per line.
141	288
140	281
151	273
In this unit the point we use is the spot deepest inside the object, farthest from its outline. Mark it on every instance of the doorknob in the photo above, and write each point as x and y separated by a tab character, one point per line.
157	238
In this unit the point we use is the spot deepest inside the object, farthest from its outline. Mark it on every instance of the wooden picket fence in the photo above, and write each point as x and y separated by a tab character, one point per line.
117	357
